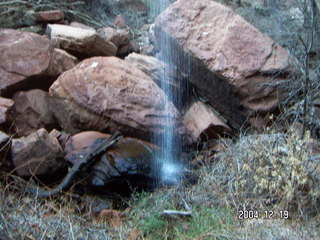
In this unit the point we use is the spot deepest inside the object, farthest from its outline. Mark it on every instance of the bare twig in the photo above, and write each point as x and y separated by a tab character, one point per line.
86	162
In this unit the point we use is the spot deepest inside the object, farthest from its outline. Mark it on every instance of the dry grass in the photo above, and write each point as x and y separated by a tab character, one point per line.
264	171
26	217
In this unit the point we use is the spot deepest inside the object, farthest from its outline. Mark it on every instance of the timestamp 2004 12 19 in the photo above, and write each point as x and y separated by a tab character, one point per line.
249	214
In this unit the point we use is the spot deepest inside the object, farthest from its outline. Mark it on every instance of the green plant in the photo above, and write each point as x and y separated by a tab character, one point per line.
205	223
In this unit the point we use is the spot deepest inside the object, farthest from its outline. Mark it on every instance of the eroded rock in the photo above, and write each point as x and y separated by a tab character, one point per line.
31	111
23	55
231	63
107	93
36	154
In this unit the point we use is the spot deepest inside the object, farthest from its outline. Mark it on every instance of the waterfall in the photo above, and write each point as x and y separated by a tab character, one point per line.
168	159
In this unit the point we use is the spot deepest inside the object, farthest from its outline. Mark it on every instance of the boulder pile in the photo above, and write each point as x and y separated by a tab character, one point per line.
57	88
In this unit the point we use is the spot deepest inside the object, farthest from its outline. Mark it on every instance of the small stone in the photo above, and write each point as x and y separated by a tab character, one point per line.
50	16
6	106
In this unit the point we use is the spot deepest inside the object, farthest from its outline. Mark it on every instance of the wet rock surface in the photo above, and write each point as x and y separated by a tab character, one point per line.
129	160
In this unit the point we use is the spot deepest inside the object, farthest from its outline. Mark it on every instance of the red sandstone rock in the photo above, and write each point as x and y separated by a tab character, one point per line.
50	16
129	156
61	61
232	63
85	42
5	110
36	154
203	122
160	72
31	111
120	37
23	55
108	93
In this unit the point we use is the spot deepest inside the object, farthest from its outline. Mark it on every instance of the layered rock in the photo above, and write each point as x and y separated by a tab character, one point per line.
31	111
231	63
80	41
37	154
129	157
107	93
203	122
23	56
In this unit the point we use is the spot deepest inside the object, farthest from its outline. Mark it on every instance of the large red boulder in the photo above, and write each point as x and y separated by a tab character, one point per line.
22	55
107	93
231	63
28	61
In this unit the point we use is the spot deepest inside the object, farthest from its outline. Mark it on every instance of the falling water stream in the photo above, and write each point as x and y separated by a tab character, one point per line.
168	159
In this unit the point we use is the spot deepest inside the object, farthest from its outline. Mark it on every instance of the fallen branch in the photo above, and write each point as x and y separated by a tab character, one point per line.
85	162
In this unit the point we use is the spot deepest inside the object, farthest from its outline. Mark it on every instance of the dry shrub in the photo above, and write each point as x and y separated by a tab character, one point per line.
264	171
